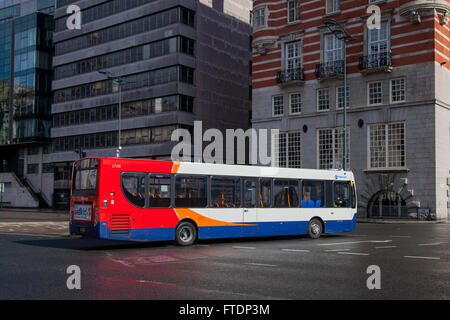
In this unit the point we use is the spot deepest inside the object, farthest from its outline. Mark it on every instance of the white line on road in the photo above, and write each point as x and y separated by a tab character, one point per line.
426	258
354	242
386	247
260	264
248	248
354	253
336	250
295	250
431	244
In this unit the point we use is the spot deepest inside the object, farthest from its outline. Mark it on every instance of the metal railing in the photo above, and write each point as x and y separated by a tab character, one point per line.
330	69
290	75
375	61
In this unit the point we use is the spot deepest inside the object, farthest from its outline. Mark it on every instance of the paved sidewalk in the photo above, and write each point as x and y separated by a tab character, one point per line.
36	222
30	215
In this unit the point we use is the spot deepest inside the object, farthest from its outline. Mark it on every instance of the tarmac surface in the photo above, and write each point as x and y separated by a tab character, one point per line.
36	252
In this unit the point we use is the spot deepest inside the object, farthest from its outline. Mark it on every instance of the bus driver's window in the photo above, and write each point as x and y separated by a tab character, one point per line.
342	195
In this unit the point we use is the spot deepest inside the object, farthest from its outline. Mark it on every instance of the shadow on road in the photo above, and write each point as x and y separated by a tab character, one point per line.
89	244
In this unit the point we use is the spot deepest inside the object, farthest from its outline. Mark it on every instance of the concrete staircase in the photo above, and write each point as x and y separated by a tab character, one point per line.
17	194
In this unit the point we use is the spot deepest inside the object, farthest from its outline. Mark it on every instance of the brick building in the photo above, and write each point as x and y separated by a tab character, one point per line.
398	97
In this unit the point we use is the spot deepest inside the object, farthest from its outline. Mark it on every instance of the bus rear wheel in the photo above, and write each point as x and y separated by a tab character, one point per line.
315	229
185	234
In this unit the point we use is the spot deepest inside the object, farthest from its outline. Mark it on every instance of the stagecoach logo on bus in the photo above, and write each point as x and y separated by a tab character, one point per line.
234	141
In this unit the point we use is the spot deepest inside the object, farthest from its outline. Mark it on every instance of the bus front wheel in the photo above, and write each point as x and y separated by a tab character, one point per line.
315	229
185	234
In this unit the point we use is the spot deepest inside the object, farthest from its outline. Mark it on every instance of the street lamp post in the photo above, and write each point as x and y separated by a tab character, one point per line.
118	81
338	30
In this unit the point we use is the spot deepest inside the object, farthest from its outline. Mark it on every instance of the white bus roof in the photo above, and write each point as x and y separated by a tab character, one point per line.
260	171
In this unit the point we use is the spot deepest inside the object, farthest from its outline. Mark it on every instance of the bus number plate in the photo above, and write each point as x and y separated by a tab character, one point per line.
82	212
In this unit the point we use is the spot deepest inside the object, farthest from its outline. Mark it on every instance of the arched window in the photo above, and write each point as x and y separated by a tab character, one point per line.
387	204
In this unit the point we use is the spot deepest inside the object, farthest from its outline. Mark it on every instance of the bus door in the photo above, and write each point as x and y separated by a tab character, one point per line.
249	212
343	203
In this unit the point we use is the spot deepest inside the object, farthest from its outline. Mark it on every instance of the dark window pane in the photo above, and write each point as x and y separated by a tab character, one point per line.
264	193
313	194
225	193
133	186
285	193
190	192
159	187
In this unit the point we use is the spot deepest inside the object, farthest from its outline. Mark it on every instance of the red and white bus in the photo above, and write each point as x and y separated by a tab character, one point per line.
149	200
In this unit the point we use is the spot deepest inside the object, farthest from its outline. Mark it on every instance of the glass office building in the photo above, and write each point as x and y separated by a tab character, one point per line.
26	53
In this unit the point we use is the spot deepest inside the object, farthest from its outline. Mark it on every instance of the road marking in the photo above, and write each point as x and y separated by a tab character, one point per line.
336	250
426	258
249	248
386	247
354	242
295	250
155	283
431	244
260	264
354	253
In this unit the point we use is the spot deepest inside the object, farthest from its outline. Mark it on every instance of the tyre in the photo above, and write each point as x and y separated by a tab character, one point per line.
315	229
185	234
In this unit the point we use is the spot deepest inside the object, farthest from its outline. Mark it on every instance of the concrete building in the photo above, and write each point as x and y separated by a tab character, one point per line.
398	97
178	61
26	52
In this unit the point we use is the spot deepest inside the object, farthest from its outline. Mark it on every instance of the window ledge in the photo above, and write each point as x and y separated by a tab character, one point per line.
291	23
385	170
376	2
334	13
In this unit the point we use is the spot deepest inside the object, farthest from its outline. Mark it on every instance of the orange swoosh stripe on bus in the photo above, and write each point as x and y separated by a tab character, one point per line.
175	167
203	221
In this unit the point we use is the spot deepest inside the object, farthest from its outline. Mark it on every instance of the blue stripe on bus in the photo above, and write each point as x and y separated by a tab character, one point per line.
261	229
252	230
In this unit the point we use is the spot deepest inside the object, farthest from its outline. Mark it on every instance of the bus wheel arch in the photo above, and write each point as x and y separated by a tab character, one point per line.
186	232
316	227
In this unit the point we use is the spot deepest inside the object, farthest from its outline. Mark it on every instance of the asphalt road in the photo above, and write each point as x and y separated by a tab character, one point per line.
414	262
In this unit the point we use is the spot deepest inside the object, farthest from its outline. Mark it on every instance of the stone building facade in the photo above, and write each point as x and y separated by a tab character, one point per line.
398	107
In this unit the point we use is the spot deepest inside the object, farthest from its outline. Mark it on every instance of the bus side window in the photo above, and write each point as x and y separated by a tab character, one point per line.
133	186
190	192
159	191
342	195
225	192
313	194
264	193
285	193
249	193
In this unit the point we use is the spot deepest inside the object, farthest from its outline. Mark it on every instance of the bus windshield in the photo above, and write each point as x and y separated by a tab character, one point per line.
85	177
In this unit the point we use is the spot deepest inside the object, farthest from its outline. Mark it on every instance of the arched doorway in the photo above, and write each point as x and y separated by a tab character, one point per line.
387	204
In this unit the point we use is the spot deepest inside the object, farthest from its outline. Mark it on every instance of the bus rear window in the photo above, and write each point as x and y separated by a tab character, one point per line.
85	177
